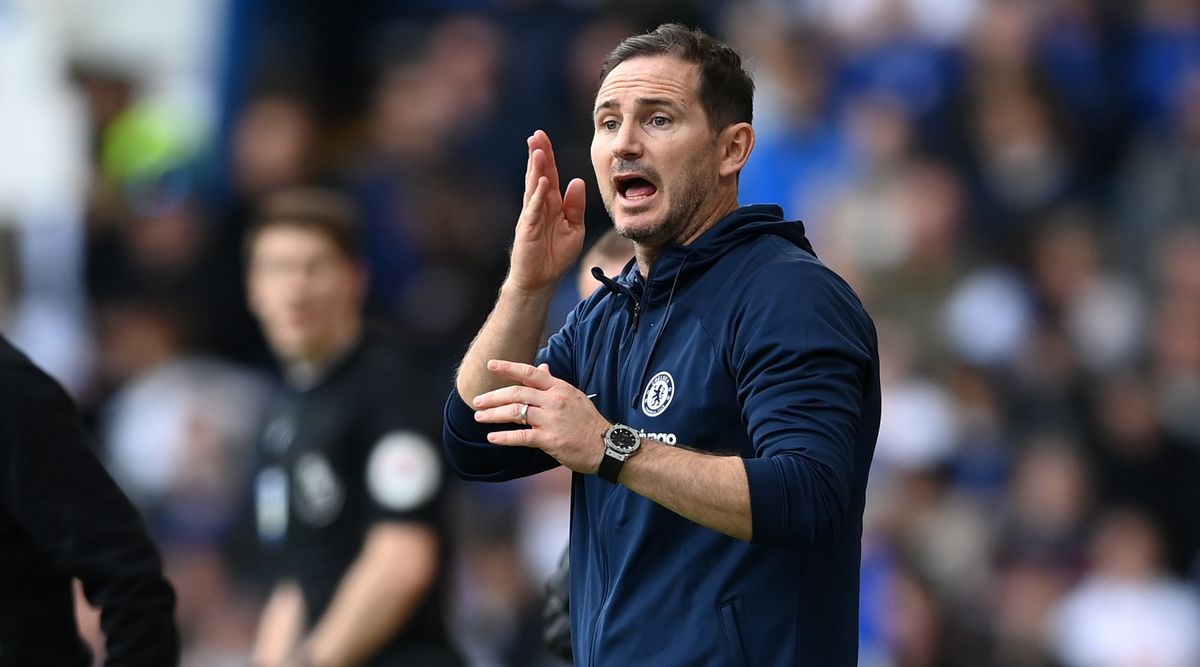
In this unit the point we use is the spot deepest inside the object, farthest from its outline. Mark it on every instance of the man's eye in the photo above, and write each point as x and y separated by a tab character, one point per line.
609	124
660	121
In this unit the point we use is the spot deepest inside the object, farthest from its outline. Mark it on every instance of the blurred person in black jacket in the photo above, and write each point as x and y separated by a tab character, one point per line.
63	517
348	486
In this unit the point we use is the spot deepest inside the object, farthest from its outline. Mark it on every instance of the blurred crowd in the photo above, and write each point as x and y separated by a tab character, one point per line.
1012	186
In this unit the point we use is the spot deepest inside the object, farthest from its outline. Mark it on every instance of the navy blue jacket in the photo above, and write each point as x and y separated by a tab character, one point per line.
741	343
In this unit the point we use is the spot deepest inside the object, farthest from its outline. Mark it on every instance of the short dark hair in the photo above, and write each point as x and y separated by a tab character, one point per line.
726	89
321	210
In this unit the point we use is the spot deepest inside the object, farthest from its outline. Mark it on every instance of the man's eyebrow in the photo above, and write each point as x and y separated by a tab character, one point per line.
641	101
655	102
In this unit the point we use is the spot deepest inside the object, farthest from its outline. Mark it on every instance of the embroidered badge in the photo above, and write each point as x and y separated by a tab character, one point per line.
404	471
319	494
658	394
279	434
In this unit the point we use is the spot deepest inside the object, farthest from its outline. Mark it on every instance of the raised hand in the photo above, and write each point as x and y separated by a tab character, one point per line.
550	231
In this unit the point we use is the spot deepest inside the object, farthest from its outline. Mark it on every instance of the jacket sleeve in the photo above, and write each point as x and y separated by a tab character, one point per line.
468	451
806	367
72	510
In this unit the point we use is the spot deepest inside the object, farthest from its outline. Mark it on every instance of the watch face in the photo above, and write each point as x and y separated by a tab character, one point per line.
623	439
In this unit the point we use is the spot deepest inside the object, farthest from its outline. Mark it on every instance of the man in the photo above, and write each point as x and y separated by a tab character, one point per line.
718	402
348	489
63	517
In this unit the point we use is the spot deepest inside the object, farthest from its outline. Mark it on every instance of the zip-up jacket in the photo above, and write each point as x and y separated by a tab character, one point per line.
62	516
741	343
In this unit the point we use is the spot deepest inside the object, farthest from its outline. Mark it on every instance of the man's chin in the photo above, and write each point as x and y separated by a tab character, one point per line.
292	349
638	226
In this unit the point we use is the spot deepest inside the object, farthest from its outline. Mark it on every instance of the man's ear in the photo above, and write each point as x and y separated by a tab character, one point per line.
735	143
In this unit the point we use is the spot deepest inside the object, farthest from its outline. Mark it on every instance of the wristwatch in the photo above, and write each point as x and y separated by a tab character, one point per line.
620	443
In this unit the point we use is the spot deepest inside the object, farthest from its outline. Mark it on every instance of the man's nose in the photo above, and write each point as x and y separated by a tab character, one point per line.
627	142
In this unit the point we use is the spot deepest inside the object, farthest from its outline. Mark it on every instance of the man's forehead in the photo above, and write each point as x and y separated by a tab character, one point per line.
649	78
292	240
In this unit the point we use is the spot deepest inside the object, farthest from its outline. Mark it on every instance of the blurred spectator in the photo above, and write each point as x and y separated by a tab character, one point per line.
922	630
1099	310
898	236
1162	179
1166	52
987	319
801	152
593	42
1050	503
1025	594
1176	335
1127	612
1021	162
430	211
274	141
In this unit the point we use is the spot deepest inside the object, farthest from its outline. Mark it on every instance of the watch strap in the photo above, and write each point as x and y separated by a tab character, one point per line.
610	467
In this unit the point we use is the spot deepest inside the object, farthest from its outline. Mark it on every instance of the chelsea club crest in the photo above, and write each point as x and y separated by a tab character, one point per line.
658	394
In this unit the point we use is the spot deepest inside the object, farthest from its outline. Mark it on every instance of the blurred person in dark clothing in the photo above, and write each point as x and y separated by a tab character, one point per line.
349	483
62	517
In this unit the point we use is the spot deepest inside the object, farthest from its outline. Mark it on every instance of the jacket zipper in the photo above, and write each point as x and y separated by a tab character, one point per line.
637	317
604	578
608	501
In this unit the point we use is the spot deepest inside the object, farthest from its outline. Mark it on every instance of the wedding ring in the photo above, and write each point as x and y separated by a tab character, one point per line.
525	414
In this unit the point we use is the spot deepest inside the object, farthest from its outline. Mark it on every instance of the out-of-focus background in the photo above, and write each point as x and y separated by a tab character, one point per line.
1013	186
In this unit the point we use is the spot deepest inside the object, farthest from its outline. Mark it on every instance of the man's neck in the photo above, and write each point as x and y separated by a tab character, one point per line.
647	253
305	372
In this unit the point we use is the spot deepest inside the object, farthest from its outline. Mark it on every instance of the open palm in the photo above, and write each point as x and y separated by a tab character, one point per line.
550	231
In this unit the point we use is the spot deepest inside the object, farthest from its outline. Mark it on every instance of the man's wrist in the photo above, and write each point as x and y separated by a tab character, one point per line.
303	658
523	295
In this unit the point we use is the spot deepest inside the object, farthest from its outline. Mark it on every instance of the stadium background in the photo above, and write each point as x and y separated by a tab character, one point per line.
1013	186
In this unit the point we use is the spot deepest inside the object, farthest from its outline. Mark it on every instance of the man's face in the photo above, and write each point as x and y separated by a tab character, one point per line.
655	156
304	291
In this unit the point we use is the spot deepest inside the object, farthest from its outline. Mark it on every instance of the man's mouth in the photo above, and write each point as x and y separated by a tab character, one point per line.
634	187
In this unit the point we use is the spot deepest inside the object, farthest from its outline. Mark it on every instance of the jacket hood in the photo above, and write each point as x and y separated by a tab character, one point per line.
678	262
741	225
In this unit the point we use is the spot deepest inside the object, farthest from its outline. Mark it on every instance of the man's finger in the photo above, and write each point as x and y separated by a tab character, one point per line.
523	437
535	208
516	394
530	179
574	202
542	141
508	413
530	376
537	166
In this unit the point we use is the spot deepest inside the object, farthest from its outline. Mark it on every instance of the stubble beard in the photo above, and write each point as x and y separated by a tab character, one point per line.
679	218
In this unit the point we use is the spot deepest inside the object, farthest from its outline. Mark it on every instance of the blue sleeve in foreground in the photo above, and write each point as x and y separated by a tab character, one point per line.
472	457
